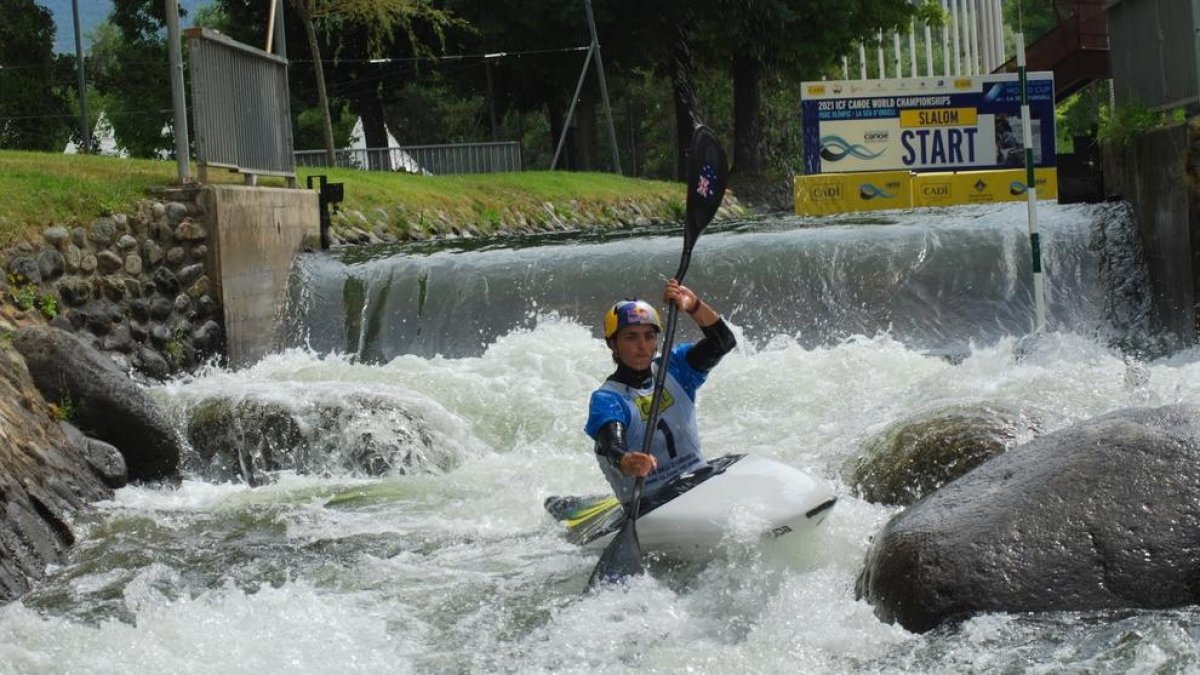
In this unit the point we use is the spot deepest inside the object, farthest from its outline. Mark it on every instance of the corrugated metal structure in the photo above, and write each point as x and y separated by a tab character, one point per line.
424	159
1155	52
240	106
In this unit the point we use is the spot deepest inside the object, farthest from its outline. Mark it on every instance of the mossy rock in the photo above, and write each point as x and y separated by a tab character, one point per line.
917	455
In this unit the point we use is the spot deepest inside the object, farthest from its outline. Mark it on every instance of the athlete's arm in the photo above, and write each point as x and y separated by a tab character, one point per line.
718	341
610	444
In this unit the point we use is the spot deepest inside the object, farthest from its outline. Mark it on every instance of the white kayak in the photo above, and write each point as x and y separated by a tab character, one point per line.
691	516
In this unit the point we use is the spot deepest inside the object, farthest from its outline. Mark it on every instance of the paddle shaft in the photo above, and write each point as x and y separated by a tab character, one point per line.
660	380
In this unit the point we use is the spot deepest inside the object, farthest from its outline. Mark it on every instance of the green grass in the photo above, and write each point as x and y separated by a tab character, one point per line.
40	189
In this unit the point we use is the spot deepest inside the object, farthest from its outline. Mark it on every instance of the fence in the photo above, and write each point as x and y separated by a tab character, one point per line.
240	107
1155	52
424	159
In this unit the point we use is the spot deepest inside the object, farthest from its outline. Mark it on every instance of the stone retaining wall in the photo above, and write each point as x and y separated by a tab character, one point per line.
133	285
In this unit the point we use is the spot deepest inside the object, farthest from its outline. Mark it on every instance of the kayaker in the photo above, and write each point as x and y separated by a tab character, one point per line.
620	408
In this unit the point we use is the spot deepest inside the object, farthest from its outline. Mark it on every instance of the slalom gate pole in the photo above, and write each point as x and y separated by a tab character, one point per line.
1039	290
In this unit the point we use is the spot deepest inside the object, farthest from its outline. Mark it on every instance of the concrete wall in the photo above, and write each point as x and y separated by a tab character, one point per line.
255	236
1155	173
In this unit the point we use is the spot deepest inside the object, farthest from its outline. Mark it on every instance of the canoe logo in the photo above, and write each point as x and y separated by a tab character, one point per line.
643	403
875	137
826	192
869	191
836	148
1016	188
979	185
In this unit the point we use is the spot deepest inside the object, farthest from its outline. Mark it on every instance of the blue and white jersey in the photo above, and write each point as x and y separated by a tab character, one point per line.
676	443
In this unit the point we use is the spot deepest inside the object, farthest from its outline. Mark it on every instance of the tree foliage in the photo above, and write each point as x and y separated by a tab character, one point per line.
133	78
34	110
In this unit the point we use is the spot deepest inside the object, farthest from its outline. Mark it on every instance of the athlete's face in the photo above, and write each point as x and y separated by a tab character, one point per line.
636	346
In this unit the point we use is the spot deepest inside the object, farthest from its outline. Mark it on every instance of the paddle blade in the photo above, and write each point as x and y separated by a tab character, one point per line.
621	559
708	172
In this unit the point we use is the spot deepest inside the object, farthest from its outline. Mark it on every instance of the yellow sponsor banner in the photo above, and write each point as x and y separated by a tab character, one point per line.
824	194
939	117
980	187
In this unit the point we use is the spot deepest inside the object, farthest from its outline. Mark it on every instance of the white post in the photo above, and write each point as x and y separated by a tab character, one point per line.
945	44
882	71
928	51
912	49
974	24
899	59
862	59
845	67
1039	292
985	35
998	26
954	22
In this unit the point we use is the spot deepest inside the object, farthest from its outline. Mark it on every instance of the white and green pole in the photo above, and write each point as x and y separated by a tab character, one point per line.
1039	290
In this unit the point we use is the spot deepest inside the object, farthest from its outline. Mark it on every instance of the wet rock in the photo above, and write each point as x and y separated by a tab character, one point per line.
1102	515
152	364
120	340
917	455
103	459
160	308
204	307
166	281
108	405
88	263
79	237
126	243
207	339
182	303
364	434
139	309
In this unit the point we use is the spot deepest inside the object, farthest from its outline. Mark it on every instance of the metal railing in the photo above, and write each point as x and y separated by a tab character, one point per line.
240	107
424	159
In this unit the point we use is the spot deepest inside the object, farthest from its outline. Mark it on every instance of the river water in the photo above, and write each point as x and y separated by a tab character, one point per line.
446	563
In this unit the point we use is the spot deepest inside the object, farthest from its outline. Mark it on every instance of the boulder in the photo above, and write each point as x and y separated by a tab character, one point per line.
919	454
105	403
1102	515
103	459
43	479
363	434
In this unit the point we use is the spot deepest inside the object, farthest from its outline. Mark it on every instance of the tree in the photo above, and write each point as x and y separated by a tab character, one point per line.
132	75
34	109
797	37
379	20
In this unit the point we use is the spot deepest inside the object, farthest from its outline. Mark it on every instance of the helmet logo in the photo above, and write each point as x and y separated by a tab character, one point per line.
630	313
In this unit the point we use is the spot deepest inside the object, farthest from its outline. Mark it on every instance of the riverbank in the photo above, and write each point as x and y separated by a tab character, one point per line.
43	189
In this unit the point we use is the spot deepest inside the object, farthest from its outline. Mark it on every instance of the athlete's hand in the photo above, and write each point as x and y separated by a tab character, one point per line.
682	296
638	464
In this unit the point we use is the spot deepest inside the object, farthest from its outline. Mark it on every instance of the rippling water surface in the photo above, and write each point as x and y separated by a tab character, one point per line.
460	571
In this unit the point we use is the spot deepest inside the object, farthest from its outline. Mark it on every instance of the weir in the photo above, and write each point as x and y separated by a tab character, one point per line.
936	280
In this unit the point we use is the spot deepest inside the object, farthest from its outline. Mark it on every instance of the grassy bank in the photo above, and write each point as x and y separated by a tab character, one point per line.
39	189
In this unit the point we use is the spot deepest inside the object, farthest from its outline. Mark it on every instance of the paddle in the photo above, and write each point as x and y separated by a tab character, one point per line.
707	174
